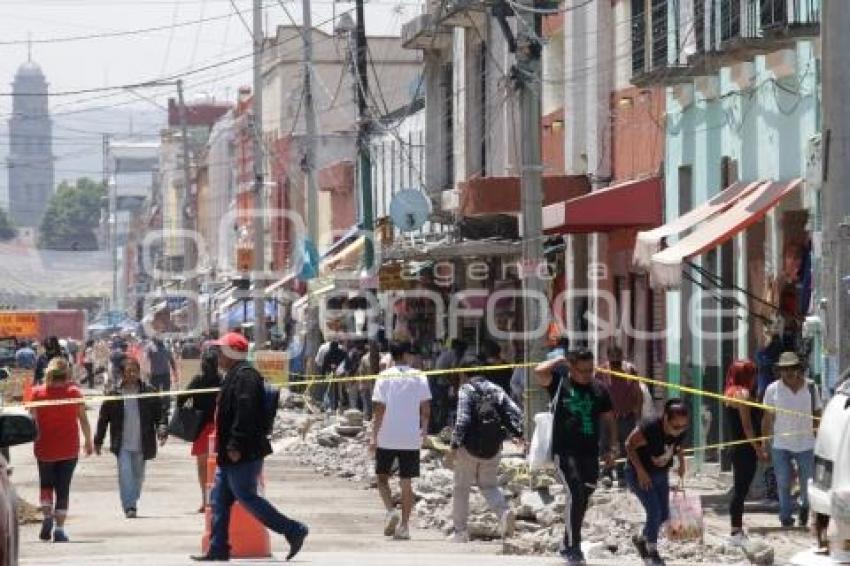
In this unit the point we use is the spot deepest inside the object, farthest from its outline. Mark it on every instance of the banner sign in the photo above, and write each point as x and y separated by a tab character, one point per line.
19	324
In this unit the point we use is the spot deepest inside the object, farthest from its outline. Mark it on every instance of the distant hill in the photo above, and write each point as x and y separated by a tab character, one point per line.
77	140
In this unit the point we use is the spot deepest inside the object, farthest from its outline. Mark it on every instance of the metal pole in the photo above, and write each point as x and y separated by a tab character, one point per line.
185	221
312	127
836	197
529	79
259	202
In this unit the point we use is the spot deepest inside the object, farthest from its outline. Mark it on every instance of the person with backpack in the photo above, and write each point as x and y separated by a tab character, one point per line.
486	416
244	414
792	403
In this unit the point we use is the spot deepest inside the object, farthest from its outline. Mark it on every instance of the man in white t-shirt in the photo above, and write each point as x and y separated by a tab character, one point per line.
401	405
798	403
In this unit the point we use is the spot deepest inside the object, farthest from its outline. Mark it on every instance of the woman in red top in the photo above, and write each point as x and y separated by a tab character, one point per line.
58	444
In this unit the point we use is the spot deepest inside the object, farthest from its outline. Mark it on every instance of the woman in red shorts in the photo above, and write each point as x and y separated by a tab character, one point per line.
58	444
209	378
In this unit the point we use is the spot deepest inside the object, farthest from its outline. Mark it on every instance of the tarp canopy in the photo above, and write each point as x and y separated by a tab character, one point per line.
666	269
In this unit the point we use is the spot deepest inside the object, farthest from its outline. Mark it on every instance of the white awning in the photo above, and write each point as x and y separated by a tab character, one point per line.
666	270
649	242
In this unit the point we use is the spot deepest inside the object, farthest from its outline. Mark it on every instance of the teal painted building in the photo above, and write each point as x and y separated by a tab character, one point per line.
743	103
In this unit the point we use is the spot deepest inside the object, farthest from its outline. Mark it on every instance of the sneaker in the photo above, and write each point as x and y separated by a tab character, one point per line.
130	513
573	556
640	545
803	518
507	524
46	529
60	536
787	523
739	539
391	522
654	559
460	537
402	533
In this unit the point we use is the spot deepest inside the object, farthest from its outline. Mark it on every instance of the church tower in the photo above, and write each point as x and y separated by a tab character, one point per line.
30	161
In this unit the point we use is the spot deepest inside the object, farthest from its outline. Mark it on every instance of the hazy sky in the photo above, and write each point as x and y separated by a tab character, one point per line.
186	43
71	65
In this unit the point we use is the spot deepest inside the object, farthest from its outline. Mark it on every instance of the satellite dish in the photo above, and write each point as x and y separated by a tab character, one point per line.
409	209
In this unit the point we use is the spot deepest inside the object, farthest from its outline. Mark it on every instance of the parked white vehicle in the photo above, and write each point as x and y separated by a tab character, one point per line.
829	489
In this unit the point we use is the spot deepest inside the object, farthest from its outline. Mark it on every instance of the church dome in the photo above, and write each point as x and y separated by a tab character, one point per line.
29	69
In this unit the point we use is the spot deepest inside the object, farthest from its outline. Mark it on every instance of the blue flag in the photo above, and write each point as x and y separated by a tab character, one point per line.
308	260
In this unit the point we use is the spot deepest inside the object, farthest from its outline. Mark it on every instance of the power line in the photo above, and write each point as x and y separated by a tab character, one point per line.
124	33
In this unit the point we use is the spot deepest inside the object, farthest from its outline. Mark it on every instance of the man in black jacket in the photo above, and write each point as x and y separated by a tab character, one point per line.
242	446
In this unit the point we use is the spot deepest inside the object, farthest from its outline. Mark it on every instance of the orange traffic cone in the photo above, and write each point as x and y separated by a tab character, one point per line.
27	390
248	537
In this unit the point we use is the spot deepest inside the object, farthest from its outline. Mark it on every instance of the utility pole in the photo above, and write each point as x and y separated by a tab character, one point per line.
186	223
528	78
312	127
111	224
364	163
260	330
364	120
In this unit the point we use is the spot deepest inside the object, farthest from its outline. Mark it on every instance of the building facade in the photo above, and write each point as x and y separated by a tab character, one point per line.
742	89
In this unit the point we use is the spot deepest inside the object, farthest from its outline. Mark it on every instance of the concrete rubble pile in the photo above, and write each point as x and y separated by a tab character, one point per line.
337	446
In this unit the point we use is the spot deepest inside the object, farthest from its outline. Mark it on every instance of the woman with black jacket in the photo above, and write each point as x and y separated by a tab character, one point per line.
134	425
209	378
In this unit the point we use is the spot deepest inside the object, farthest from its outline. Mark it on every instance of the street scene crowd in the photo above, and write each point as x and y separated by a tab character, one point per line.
604	430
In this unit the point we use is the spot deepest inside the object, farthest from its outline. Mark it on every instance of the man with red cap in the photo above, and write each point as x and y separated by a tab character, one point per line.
242	446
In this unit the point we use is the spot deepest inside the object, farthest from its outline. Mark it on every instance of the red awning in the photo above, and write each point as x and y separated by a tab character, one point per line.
501	195
634	204
666	269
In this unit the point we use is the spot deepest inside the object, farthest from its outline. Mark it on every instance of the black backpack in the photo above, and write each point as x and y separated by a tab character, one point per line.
486	431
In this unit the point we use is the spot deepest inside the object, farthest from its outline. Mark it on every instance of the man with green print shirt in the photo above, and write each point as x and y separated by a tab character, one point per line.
581	405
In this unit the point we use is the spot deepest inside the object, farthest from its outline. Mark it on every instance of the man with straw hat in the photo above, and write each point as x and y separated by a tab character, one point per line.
792	405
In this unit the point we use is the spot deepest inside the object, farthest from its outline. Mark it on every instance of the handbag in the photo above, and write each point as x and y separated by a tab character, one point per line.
186	422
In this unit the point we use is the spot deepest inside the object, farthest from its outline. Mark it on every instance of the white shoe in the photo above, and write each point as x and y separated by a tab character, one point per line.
739	539
402	533
507	524
460	537
391	522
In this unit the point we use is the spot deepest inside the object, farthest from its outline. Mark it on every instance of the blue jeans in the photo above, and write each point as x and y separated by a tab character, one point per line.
782	467
238	482
655	501
131	475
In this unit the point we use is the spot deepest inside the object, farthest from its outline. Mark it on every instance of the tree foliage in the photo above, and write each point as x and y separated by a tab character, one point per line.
72	216
7	229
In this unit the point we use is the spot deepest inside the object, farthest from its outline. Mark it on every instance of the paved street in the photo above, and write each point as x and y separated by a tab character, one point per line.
345	520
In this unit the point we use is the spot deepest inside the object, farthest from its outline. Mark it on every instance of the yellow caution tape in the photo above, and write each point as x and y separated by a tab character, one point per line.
313	380
704	393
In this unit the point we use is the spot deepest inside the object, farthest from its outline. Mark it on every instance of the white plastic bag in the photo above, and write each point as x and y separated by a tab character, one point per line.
686	517
540	452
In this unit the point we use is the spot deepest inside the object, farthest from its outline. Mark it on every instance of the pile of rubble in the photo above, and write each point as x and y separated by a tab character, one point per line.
337	446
